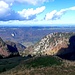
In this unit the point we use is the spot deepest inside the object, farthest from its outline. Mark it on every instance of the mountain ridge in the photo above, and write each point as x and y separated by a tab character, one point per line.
44	57
50	45
9	49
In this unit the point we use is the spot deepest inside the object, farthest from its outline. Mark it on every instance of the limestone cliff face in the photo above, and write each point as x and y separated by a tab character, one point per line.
50	44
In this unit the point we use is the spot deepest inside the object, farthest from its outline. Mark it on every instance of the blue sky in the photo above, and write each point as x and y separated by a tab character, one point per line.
37	12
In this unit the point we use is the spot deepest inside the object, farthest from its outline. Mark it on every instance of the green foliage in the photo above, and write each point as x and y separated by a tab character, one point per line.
9	63
43	61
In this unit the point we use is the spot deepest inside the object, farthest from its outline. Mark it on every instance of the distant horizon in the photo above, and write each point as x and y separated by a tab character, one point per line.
53	25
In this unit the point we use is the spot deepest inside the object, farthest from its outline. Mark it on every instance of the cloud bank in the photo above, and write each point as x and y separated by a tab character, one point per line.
32	2
55	15
6	13
31	13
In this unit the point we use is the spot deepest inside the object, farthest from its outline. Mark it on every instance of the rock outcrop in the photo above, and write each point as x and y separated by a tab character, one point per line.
13	46
50	45
10	49
4	51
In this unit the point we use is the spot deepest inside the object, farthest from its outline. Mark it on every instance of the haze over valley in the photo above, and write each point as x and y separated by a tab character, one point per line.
30	35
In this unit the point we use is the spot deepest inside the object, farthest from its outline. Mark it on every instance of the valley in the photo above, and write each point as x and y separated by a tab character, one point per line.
30	35
37	51
37	37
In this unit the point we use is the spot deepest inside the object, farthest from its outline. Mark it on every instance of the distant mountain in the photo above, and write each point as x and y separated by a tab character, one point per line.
30	35
9	49
52	44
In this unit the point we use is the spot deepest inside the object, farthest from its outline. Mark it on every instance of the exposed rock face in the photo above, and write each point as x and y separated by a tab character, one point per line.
8	48
15	46
50	45
4	52
69	52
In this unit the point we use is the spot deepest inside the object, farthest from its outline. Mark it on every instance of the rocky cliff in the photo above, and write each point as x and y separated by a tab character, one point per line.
4	51
13	46
9	49
50	45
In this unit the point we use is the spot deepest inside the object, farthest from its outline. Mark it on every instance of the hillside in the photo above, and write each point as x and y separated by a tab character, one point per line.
52	44
4	51
44	65
9	49
9	63
15	46
32	64
43	58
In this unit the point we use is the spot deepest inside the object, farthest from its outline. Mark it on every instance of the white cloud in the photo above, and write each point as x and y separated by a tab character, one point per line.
50	15
6	13
31	13
72	8
54	15
32	2
4	8
9	2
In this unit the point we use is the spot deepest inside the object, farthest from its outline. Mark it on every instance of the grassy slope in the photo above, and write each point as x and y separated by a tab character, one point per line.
42	61
9	63
35	63
45	65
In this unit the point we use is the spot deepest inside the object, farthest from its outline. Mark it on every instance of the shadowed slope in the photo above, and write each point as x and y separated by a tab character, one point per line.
9	49
69	52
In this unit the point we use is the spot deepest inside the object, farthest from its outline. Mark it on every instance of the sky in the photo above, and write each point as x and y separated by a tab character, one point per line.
37	12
